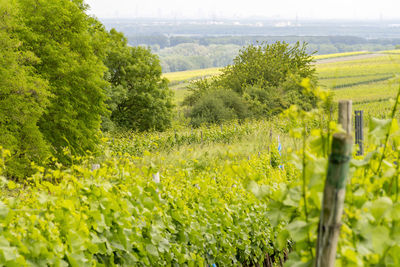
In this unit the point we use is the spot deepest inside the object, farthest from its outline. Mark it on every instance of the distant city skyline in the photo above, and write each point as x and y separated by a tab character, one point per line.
219	9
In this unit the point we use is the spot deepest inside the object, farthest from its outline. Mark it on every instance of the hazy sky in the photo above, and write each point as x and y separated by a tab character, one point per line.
328	9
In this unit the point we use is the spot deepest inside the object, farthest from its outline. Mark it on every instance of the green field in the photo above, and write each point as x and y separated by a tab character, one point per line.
369	82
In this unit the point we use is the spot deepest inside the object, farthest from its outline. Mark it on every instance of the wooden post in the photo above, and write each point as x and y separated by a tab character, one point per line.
345	113
201	135
332	204
221	128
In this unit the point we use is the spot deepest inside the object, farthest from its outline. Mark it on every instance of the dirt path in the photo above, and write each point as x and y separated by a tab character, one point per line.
348	58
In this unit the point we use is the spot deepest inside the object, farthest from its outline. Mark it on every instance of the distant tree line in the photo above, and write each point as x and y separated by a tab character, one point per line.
178	53
169	41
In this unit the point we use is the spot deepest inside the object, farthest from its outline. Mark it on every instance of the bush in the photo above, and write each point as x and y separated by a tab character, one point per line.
218	106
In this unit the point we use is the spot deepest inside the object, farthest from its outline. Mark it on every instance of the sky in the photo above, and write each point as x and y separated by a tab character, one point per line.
273	9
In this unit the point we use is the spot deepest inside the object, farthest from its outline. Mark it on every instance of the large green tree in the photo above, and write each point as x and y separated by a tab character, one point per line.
266	76
23	98
60	34
139	98
61	72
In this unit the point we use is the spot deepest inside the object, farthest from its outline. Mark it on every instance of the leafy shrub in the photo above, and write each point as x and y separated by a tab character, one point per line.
218	106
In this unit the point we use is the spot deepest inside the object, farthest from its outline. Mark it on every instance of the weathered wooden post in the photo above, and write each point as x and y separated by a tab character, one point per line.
345	107
201	136
221	128
359	133
335	189
333	200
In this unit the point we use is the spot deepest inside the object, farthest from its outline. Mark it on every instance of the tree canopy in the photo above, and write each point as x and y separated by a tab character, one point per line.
62	74
267	77
23	98
141	97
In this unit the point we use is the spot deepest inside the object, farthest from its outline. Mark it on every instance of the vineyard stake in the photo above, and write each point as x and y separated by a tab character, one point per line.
333	199
345	107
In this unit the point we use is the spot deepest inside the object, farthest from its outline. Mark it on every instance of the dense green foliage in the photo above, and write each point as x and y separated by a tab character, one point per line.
116	215
219	208
58	33
370	231
216	106
62	74
139	98
263	81
23	98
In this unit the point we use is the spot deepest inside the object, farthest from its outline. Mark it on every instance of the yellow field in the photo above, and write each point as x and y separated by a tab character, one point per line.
338	55
190	74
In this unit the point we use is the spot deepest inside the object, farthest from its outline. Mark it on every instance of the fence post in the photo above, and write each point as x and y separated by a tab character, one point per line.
335	189
201	135
359	132
333	199
345	107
